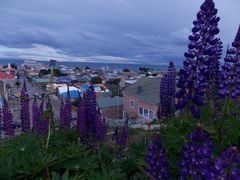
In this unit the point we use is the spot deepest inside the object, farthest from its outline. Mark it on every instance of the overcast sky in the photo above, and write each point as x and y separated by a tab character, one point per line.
144	31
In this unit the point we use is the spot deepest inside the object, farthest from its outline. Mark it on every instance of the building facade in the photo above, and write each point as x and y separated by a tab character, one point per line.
141	99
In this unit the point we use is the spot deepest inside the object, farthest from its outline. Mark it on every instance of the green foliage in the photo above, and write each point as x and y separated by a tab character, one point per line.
96	80
13	65
17	84
26	156
113	85
113	81
145	69
126	70
56	72
43	72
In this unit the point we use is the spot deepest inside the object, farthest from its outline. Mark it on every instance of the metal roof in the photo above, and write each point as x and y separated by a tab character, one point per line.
147	89
110	101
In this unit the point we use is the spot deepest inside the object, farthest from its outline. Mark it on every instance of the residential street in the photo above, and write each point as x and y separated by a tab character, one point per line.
14	103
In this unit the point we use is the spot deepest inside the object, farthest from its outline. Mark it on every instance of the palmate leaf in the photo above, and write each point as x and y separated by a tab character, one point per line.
139	148
56	176
106	174
23	154
134	158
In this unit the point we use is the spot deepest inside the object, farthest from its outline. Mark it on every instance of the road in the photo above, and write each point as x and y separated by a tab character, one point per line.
14	104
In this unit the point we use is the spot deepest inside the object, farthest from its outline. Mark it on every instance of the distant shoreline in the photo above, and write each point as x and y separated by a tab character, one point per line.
73	64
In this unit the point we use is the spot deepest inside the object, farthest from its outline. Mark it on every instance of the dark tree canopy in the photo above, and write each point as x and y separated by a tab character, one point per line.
96	80
126	70
113	81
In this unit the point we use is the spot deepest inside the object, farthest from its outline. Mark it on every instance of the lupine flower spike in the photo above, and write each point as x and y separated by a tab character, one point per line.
124	134
167	92
197	152
202	59
158	165
230	74
25	113
227	165
7	119
35	113
1	117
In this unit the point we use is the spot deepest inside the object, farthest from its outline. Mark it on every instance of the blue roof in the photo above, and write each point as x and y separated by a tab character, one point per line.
73	94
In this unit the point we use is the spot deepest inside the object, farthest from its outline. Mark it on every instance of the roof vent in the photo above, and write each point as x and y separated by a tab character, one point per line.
139	89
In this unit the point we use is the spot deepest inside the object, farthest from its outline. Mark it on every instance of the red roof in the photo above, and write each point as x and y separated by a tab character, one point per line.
6	75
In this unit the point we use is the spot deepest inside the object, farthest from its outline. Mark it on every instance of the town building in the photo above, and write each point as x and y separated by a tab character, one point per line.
141	99
31	65
52	63
6	84
111	107
62	92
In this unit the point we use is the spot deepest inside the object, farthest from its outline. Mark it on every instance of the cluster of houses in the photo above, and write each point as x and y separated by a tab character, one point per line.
7	79
138	100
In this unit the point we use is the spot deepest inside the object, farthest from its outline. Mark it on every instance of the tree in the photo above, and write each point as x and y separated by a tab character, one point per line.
87	68
57	72
96	80
113	81
13	65
126	70
113	85
43	72
17	84
18	75
145	69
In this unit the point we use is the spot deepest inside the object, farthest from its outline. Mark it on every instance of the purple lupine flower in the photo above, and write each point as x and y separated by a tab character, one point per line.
124	134
158	165
1	118
227	165
62	114
25	113
42	122
47	119
115	135
90	110
167	92
35	113
66	112
201	60
7	119
101	128
93	109
90	123
214	71
38	120
82	121
230	74
89	120
197	154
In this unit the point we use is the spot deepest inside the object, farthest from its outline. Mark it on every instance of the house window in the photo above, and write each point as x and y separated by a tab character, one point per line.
132	103
150	115
145	113
140	110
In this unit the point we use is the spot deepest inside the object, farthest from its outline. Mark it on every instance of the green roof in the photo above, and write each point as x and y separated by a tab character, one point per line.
147	89
110	101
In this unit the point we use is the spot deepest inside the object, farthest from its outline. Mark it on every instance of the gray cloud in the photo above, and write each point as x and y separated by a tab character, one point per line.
137	30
